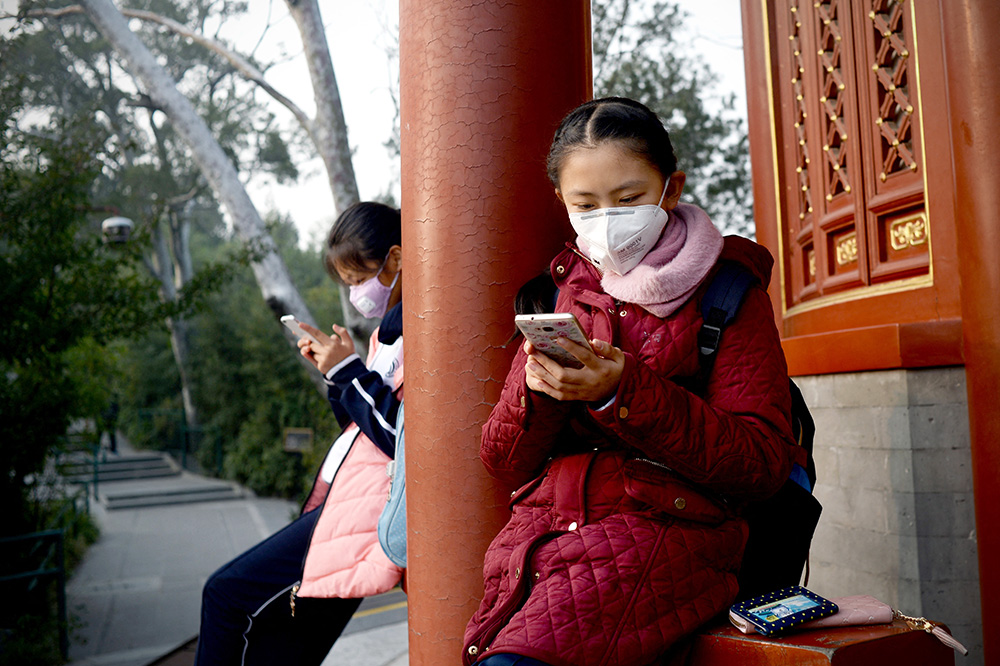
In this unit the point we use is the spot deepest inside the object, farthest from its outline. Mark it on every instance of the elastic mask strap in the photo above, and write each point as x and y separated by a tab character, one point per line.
664	194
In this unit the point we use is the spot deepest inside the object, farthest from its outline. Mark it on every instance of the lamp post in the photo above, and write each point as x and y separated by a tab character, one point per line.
116	230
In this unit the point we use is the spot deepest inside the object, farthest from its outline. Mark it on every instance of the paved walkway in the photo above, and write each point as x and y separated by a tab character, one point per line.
137	594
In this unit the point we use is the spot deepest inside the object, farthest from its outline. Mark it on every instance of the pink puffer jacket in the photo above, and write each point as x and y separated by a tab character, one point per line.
344	558
620	541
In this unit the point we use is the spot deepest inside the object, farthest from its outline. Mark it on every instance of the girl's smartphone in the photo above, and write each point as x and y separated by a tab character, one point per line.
544	329
293	325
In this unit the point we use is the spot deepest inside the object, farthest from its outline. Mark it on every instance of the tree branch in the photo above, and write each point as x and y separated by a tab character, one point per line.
241	64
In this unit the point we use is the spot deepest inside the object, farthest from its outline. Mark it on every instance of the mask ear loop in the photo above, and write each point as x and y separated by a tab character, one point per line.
382	268
663	195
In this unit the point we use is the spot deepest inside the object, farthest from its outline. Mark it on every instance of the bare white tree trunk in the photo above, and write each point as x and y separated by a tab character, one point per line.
330	128
272	275
329	133
172	270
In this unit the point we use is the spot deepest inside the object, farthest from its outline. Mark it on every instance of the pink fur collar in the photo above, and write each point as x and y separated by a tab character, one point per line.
673	269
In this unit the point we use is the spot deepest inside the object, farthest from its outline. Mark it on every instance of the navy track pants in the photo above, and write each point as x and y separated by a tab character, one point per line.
246	616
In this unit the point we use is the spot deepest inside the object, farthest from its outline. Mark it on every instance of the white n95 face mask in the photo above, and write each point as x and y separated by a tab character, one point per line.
618	238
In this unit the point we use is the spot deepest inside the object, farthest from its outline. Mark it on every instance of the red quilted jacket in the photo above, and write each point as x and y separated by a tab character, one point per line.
625	535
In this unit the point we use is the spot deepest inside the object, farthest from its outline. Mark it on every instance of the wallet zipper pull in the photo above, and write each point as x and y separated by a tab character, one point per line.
291	600
932	628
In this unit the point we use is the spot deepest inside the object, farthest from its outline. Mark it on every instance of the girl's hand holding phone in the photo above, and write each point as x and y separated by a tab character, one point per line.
327	351
596	381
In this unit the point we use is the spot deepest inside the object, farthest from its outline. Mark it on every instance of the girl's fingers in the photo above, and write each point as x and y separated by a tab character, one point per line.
596	380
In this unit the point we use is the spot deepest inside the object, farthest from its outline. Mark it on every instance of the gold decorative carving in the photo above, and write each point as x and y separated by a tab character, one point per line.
812	265
908	232
829	17
804	198
847	249
890	71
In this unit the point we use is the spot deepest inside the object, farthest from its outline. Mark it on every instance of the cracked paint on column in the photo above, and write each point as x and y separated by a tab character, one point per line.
483	86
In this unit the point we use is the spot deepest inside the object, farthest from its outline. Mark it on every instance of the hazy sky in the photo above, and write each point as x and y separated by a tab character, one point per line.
358	32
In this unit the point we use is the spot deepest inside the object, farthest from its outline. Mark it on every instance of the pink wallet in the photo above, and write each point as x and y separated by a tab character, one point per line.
853	611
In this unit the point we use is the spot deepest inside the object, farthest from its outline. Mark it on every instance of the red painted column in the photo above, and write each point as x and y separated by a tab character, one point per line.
971	41
483	86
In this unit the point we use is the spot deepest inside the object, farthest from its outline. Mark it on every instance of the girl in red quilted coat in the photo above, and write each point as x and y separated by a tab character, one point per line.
625	533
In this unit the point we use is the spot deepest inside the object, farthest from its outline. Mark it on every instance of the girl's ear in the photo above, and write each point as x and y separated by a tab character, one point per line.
675	187
395	261
559	196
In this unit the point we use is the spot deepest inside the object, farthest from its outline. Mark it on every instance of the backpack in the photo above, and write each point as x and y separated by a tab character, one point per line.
392	522
782	526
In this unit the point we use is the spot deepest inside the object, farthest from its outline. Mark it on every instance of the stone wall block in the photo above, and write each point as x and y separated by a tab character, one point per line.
854	508
864	550
830	579
864	389
848	427
867	469
892	427
827	461
937	386
942	470
945	514
946	560
943	426
902	515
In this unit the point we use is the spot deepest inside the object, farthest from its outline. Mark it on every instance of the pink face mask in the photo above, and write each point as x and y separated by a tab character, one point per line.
371	297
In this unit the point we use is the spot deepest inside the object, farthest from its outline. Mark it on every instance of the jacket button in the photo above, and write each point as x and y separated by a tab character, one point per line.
523	401
612	310
680	503
517	573
572	526
623	413
622	313
560	269
473	650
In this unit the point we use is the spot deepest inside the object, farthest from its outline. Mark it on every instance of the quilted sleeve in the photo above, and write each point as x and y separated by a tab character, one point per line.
522	430
737	440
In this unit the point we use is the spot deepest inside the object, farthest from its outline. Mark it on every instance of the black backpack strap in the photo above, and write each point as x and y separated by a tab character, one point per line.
720	304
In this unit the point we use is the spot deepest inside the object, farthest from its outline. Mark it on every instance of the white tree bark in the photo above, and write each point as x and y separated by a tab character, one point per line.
330	128
329	134
269	268
327	131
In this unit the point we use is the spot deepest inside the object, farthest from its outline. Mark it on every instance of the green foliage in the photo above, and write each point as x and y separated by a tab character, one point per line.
640	53
29	628
31	641
65	294
247	380
250	384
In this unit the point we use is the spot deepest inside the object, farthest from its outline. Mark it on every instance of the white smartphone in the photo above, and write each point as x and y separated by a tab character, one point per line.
293	325
544	329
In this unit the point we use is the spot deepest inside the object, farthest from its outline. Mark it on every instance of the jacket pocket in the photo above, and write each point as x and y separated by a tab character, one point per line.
525	491
655	485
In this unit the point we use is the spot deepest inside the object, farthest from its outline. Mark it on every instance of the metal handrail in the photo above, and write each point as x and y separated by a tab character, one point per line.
58	571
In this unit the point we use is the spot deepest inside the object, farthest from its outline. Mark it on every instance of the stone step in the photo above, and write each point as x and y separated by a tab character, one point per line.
123	468
115	497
